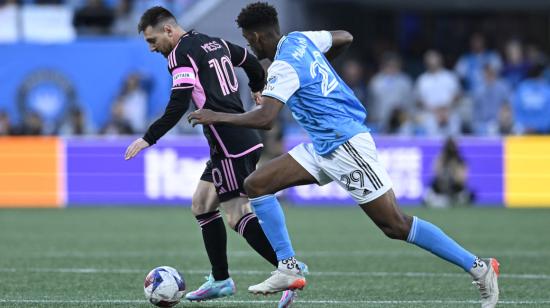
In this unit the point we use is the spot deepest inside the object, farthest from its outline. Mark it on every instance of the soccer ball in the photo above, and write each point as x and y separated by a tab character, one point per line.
164	286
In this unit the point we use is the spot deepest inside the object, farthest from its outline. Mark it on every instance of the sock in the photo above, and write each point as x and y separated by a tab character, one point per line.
479	268
426	235
250	229
289	264
272	220
215	242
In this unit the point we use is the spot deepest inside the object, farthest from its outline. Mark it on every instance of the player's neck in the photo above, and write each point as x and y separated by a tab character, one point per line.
178	33
272	46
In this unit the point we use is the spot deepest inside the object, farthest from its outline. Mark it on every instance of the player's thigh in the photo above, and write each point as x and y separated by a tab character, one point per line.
205	198
235	209
277	174
354	165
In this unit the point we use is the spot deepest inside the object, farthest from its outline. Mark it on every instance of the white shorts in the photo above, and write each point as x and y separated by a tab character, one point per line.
353	165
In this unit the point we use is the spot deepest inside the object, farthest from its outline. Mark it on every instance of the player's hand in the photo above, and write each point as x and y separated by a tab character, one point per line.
134	148
202	116
257	97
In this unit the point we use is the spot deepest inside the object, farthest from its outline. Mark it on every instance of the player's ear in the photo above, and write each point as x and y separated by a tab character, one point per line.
167	28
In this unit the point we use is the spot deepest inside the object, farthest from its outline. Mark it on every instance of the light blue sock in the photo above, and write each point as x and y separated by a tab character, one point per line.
272	219
426	235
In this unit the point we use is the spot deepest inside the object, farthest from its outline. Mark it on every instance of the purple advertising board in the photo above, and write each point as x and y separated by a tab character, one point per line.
167	173
410	164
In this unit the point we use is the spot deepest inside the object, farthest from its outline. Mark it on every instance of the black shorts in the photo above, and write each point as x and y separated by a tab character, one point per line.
228	174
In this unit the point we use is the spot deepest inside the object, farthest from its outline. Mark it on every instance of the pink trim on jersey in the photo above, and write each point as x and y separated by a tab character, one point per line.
178	88
229	51
172	55
187	75
232	173
257	146
227	176
245	54
198	95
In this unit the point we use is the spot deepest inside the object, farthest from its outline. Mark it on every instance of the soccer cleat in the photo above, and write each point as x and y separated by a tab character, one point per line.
280	280
488	284
287	299
212	289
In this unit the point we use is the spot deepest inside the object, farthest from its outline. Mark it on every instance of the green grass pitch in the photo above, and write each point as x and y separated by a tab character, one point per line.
98	257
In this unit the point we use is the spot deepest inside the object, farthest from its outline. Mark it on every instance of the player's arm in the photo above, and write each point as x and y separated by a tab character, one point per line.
282	82
176	108
340	42
261	117
241	57
331	43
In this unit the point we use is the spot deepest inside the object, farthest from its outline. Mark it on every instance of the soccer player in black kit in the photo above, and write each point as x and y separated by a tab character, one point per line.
202	71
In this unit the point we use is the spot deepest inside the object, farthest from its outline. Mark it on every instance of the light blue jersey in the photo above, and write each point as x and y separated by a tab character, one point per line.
320	101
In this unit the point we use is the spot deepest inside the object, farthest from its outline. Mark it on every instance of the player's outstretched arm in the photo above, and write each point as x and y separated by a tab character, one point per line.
340	42
262	117
176	108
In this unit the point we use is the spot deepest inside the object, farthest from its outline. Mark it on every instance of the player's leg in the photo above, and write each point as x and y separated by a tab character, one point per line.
236	205
205	206
278	174
242	220
369	184
385	213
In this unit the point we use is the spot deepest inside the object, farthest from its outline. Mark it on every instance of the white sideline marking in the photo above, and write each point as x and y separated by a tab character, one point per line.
247	253
312	302
258	272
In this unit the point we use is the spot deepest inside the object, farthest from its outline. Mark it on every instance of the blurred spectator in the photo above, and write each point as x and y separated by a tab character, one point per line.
94	18
133	100
531	104
5	124
389	89
32	124
74	124
516	66
117	125
505	120
437	89
489	99
470	65
353	75
449	186
400	123
126	20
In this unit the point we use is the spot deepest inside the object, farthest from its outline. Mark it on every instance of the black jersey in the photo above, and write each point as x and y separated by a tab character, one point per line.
202	69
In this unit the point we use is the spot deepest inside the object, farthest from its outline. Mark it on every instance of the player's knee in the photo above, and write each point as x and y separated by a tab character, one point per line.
232	220
253	187
398	229
198	208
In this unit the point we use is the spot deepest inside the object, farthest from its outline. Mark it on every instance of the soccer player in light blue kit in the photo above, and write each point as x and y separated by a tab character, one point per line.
342	150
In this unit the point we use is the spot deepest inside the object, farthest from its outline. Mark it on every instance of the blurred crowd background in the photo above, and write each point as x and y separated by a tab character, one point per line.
422	68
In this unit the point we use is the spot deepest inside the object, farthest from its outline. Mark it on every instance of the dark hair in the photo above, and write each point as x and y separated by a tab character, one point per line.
257	15
153	17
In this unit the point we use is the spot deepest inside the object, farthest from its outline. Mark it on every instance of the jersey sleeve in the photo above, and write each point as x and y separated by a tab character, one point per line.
282	81
181	69
240	57
321	39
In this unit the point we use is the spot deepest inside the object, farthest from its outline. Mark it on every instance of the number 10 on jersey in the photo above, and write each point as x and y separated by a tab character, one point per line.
226	75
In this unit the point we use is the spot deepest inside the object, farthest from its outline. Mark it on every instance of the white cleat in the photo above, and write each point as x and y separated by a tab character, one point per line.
488	284
279	281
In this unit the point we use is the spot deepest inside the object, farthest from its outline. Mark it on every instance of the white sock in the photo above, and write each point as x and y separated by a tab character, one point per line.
289	264
478	268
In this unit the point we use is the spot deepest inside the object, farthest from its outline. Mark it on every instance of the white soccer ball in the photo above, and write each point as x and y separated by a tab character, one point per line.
164	286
